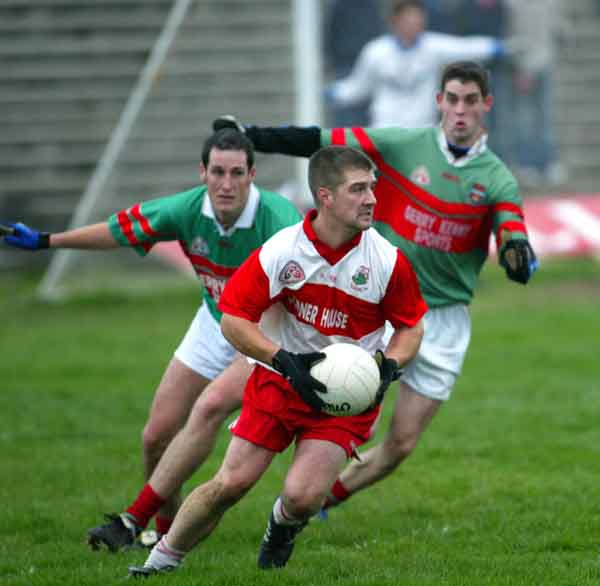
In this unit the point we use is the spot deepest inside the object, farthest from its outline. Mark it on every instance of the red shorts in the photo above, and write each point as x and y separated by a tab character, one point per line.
273	415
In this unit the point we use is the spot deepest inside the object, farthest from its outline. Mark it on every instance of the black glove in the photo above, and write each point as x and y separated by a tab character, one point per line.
519	260
227	121
296	370
388	373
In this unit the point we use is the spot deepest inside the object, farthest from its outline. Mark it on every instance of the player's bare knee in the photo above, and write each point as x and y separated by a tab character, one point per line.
302	503
397	447
210	409
156	439
232	487
218	494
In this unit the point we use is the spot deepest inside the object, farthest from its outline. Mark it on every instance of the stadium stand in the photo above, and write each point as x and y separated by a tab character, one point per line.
578	83
69	67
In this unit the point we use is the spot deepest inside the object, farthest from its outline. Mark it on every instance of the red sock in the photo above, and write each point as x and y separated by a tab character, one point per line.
146	505
163	524
339	493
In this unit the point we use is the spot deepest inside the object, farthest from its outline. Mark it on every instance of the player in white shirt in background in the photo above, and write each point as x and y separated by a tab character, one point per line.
399	71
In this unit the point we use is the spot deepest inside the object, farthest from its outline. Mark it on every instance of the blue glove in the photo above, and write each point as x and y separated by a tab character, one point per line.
500	50
27	238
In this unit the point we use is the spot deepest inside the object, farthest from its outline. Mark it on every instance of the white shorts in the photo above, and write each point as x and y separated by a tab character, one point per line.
204	349
435	368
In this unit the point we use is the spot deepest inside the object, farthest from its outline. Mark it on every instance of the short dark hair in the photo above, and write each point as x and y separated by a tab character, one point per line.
228	139
327	166
465	71
399	6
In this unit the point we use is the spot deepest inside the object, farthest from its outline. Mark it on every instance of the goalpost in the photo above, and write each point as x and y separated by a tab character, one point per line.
48	288
306	59
308	78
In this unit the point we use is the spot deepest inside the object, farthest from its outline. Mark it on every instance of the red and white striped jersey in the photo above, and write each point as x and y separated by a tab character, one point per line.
319	295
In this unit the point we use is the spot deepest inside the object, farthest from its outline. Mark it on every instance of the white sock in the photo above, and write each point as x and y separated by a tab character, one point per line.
283	517
164	556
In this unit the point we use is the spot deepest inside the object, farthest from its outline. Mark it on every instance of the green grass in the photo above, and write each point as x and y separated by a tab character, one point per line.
504	488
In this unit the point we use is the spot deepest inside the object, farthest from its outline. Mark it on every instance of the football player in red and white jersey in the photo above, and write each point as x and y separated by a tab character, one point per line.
330	278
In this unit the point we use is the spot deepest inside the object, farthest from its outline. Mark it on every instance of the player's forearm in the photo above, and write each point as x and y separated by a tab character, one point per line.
404	344
358	86
246	337
93	237
286	140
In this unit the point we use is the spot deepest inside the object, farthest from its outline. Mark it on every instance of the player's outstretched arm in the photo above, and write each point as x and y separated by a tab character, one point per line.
298	141
21	236
519	260
95	236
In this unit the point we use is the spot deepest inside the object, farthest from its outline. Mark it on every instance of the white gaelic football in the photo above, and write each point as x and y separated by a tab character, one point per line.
351	376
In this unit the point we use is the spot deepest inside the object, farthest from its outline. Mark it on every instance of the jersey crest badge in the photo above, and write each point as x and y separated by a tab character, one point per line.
478	193
291	273
421	175
199	246
361	277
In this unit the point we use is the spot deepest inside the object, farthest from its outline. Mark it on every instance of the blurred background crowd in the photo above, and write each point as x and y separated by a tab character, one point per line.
529	35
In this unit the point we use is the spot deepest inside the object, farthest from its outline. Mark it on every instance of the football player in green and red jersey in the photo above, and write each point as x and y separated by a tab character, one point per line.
311	264
441	193
218	225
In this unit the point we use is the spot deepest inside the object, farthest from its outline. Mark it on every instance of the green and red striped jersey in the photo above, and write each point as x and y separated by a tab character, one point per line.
438	209
187	217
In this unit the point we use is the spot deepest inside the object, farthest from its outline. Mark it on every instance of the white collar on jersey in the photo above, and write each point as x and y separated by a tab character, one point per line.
479	147
246	218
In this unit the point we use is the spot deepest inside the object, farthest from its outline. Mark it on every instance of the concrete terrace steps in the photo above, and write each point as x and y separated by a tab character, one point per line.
582	10
69	67
70	181
43	110
577	84
91	92
227	6
101	47
77	17
55	192
73	127
76	4
85	28
98	16
98	68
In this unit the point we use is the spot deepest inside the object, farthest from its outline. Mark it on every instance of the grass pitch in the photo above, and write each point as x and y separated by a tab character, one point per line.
504	488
